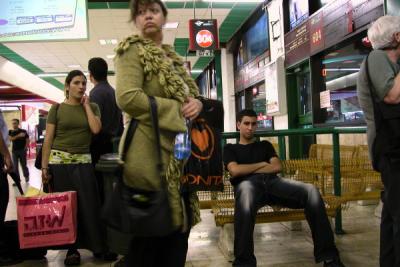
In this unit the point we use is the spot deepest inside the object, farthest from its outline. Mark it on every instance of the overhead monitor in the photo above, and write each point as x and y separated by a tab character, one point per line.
43	20
298	12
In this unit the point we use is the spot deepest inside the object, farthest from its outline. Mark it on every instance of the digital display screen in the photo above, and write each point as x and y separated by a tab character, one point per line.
257	38
43	20
298	12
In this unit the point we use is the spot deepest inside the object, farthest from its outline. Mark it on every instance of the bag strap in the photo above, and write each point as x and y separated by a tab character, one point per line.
132	128
377	114
154	120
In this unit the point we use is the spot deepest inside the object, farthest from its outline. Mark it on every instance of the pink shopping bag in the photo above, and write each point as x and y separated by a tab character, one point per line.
47	220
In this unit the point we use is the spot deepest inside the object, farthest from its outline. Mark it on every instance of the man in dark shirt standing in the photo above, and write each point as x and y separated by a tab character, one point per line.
111	117
111	120
253	167
20	142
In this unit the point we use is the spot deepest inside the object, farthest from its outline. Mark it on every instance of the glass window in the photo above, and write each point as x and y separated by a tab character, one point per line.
304	87
340	71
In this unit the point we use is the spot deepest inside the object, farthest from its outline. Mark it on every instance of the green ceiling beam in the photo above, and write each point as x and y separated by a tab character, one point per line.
236	17
201	64
22	62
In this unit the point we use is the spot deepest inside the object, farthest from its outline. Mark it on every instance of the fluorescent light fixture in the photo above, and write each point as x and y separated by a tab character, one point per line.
6	86
108	41
171	25
75	66
196	71
56	74
110	56
225	1
342	69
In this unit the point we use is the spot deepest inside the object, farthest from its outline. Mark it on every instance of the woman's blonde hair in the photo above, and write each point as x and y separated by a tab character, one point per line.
382	30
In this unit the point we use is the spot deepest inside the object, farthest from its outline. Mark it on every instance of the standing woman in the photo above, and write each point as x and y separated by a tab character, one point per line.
144	66
66	161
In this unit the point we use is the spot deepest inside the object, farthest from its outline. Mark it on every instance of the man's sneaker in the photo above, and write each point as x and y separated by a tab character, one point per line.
333	263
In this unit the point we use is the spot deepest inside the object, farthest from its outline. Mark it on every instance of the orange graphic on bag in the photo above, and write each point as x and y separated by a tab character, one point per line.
204	140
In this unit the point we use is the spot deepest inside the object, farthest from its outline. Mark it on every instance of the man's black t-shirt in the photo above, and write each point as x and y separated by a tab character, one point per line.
20	142
248	154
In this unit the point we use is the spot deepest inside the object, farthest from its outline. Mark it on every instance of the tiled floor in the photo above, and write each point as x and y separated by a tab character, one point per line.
275	244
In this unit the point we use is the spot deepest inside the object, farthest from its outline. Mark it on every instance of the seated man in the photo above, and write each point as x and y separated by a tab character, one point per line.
253	167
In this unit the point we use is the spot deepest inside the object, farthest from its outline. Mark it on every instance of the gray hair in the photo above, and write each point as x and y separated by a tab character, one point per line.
381	31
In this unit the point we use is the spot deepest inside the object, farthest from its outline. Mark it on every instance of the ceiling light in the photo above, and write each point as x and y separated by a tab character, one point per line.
171	25
108	41
226	1
110	56
6	86
196	71
56	74
74	66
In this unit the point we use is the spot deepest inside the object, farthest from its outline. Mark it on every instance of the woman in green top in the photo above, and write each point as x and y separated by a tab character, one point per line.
145	66
66	161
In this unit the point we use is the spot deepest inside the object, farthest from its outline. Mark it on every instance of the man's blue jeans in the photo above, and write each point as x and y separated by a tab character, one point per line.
258	190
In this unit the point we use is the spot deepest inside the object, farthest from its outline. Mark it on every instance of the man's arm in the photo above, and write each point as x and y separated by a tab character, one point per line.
393	96
236	169
275	166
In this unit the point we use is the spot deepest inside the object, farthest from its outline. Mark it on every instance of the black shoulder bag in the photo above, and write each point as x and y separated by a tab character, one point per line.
136	211
38	160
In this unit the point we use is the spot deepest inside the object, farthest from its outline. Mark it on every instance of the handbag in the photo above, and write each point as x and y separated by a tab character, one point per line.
38	160
136	211
204	168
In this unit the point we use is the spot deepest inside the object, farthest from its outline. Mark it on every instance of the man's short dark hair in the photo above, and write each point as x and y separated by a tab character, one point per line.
16	120
98	68
245	112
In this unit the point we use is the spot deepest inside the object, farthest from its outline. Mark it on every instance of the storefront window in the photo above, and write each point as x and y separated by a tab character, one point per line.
340	71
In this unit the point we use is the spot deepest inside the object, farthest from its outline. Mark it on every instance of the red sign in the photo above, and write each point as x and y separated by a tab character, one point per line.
204	38
203	34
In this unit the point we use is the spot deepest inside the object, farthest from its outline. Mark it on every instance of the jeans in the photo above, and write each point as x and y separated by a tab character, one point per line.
4	194
390	220
258	190
20	156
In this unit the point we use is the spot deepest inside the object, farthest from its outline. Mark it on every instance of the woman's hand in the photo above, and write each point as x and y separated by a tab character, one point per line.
46	177
192	108
85	101
8	164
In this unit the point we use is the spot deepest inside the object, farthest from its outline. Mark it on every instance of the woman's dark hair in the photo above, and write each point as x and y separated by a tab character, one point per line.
134	6
72	74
